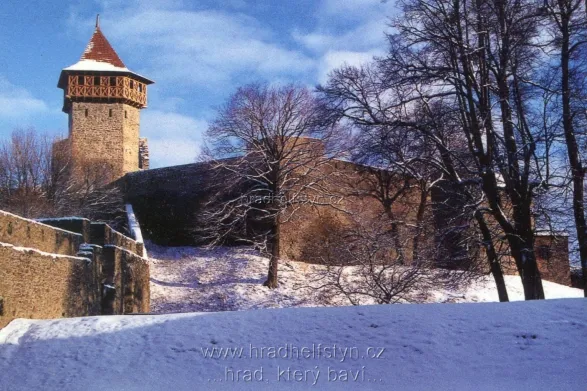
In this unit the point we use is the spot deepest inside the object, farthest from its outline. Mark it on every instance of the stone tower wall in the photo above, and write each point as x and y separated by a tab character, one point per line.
105	132
143	154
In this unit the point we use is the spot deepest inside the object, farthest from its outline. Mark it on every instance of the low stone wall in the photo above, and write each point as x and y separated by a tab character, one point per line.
77	225
38	285
102	234
48	272
22	232
127	276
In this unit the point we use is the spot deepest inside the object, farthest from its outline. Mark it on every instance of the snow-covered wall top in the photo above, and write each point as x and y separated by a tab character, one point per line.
22	232
134	228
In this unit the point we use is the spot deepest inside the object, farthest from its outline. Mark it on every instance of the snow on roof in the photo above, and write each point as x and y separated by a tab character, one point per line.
99	49
93	65
100	56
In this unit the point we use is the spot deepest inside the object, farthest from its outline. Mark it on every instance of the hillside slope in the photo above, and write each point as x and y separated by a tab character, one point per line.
192	279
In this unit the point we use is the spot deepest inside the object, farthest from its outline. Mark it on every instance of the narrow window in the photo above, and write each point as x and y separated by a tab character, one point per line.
96	80
132	84
80	80
125	116
110	113
112	81
86	112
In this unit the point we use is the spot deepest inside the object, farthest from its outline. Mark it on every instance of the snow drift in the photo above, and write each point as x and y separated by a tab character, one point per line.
484	346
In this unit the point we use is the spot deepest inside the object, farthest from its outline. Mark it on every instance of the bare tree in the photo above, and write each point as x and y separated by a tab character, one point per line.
266	148
422	143
482	58
569	41
361	263
24	168
36	181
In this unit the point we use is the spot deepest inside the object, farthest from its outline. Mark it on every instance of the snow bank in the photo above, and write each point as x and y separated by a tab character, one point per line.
489	346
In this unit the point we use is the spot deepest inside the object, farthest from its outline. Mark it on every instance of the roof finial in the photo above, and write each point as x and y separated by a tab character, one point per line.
98	21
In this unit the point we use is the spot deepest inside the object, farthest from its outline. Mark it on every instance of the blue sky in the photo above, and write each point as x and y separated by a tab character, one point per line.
198	53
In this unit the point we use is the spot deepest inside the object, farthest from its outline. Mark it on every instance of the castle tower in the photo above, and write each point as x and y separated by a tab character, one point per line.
103	100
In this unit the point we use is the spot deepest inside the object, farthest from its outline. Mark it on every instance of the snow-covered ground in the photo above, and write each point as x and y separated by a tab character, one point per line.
484	346
188	279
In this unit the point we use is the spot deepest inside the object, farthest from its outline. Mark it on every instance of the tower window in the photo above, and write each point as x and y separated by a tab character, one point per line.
112	81
96	80
132	84
86	112
80	80
110	113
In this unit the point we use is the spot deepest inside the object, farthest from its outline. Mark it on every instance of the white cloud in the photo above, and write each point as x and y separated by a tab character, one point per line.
173	138
351	43
355	9
206	48
18	102
366	36
172	152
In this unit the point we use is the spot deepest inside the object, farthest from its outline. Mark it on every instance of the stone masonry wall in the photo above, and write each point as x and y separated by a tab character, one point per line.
168	201
129	274
22	232
47	272
77	225
143	154
105	132
39	285
102	234
130	138
552	255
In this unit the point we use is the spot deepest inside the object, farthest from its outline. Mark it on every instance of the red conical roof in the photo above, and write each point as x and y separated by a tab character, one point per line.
99	49
99	56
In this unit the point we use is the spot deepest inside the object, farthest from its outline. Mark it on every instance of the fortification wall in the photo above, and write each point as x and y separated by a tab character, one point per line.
22	232
47	272
346	199
78	225
129	274
552	255
102	234
38	285
168	201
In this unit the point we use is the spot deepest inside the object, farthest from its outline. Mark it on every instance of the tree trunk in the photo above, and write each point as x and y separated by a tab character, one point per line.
527	267
520	233
271	281
494	264
419	225
395	233
577	170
